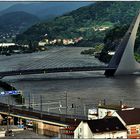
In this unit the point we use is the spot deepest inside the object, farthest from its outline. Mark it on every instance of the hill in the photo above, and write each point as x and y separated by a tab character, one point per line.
45	10
90	22
15	22
113	38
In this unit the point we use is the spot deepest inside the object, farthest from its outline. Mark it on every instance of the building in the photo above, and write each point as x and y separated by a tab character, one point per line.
111	53
68	41
101	128
108	109
131	120
7	44
41	43
103	28
92	114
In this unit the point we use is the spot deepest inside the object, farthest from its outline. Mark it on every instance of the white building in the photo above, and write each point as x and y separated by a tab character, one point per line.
92	114
101	128
41	43
111	53
7	44
109	109
131	120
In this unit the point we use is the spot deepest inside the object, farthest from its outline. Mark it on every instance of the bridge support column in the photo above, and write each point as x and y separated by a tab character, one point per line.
124	61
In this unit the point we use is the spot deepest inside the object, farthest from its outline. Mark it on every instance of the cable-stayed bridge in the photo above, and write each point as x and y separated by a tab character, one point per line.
70	60
52	61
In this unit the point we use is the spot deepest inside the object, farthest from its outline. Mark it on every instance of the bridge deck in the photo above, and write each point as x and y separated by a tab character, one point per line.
54	70
54	60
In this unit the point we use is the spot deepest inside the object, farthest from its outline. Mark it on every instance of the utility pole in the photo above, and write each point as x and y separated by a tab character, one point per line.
41	106
66	102
29	100
74	109
84	106
33	101
8	115
84	109
7	131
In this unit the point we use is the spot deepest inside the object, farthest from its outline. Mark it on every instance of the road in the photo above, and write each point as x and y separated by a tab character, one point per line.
26	134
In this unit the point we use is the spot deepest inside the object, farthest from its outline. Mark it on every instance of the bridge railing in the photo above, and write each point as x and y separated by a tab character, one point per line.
53	70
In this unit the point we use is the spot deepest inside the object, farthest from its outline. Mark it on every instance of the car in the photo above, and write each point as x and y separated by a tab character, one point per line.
9	133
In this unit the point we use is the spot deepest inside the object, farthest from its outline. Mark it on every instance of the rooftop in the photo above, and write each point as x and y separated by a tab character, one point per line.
130	116
105	125
110	106
114	106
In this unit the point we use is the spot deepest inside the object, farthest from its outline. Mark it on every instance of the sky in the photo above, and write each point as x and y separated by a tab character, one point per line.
4	5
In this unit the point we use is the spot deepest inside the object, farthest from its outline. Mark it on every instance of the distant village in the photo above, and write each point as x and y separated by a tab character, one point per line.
7	47
13	48
66	41
46	41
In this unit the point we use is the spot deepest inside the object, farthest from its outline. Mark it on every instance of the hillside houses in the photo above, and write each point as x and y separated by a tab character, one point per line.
101	28
64	41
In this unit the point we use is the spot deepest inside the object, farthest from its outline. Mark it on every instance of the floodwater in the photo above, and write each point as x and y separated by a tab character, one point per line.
80	90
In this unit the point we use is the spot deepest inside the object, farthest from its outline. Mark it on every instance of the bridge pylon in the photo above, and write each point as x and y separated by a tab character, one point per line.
123	61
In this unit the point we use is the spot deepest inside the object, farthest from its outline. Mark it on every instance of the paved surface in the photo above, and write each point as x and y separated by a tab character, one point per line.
26	134
4	127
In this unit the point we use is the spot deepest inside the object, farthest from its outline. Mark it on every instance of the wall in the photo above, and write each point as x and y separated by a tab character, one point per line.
46	129
117	134
133	131
82	131
102	112
51	130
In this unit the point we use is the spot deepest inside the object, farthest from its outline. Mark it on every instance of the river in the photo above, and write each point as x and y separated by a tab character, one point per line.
82	89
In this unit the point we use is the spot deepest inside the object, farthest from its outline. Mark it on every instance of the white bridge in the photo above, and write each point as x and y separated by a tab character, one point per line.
124	61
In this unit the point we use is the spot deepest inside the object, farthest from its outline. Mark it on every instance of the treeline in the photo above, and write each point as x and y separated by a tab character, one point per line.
85	22
113	38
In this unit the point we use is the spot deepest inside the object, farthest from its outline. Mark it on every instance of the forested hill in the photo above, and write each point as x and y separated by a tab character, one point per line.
15	22
86	22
